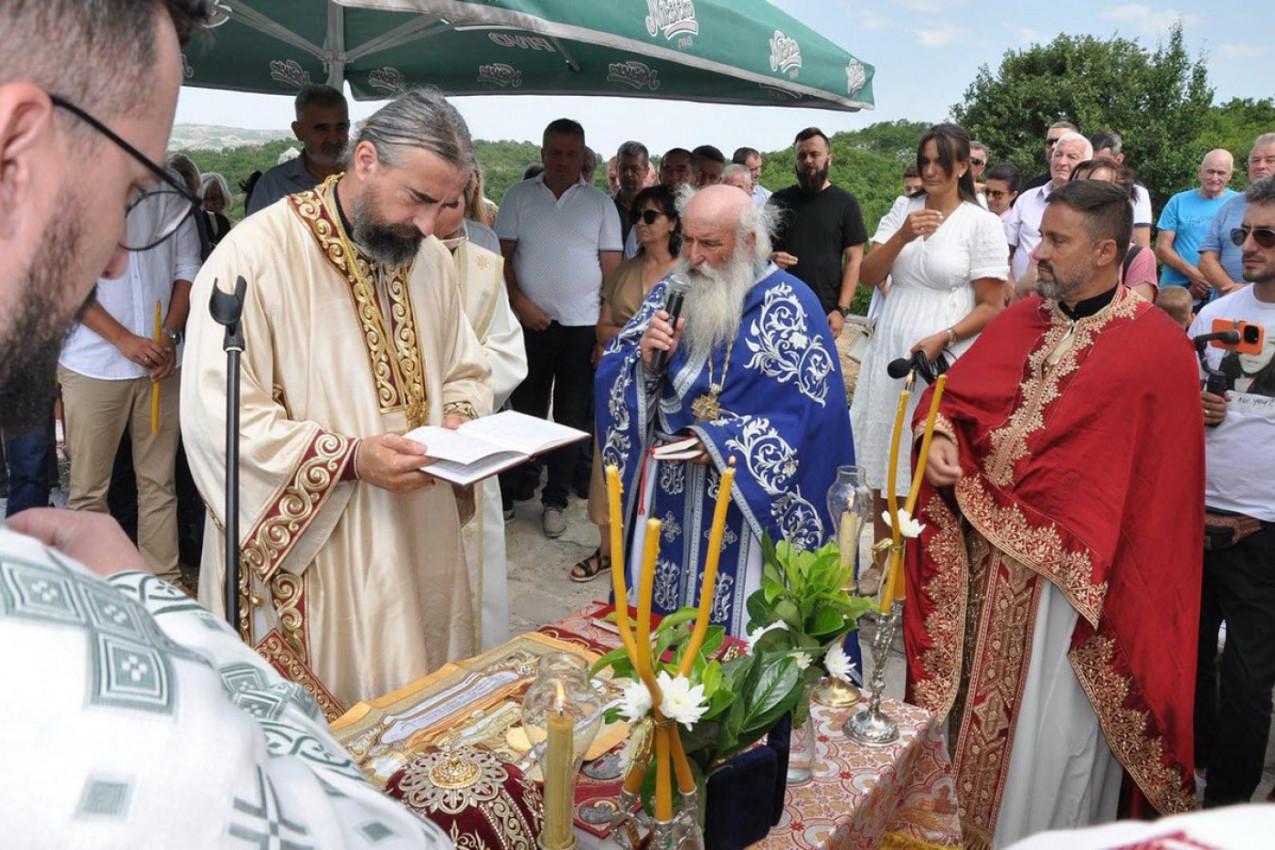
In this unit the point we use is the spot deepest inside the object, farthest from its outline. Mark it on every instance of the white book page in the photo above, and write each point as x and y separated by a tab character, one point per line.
467	473
458	446
522	433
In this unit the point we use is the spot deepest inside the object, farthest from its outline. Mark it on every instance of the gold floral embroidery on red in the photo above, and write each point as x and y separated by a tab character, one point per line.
945	622
1040	548
296	504
396	363
1001	653
1130	731
275	649
1055	358
287	593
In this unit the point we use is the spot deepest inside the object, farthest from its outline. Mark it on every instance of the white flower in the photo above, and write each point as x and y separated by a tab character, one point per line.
798	339
838	664
755	634
682	703
637	701
802	659
908	527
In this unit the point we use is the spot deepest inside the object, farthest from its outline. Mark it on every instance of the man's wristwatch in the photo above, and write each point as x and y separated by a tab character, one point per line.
175	336
844	311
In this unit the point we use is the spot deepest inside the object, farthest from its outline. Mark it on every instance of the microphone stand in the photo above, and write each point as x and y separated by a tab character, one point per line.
226	309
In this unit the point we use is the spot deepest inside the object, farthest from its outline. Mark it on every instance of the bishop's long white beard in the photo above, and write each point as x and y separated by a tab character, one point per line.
715	303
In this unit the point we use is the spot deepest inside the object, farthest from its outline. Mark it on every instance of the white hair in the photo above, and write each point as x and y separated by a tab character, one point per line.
759	222
211	177
1071	135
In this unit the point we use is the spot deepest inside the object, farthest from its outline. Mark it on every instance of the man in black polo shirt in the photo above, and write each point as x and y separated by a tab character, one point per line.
821	231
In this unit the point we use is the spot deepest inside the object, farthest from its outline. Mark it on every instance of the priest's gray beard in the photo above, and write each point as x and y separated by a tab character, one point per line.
715	301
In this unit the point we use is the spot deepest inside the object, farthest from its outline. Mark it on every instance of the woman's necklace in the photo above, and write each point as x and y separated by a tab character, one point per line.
706	407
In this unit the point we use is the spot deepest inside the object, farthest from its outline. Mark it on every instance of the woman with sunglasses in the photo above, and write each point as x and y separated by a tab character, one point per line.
659	234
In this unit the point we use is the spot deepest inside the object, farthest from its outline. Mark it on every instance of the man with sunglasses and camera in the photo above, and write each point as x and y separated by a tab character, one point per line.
131	717
1233	702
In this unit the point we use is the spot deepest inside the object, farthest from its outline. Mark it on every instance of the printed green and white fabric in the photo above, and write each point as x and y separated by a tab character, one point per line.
712	51
134	718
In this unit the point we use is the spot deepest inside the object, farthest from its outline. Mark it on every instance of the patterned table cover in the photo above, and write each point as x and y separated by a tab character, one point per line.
902	795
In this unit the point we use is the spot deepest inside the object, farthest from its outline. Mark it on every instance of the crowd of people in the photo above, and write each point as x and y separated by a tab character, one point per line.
1088	521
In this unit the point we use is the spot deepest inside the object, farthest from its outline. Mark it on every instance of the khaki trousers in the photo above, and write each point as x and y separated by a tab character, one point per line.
97	412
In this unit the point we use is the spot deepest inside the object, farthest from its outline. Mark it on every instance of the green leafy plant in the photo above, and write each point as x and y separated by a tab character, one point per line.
802	607
745	694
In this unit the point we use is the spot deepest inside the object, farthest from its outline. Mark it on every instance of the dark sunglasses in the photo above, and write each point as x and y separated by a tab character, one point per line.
1263	236
997	193
646	216
175	207
976	161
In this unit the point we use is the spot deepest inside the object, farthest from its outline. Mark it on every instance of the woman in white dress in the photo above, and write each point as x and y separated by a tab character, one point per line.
947	260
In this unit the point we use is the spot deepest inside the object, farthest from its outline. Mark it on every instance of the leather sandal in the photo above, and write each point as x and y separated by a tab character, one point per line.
587	569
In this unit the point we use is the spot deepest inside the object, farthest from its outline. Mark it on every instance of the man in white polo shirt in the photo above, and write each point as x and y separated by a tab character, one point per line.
560	238
1022	225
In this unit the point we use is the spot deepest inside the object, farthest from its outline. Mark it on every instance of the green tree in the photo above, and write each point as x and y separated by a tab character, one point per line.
1158	101
1233	126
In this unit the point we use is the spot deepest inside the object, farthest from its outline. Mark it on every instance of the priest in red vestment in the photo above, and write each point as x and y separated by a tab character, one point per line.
1054	593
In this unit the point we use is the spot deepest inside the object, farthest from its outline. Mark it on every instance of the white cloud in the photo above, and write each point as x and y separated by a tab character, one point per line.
1144	18
940	37
1027	35
870	20
1239	51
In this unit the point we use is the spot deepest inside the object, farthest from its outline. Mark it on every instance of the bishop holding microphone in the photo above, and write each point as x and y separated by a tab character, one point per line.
748	370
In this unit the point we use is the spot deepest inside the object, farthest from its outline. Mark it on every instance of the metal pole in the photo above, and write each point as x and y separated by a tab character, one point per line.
226	309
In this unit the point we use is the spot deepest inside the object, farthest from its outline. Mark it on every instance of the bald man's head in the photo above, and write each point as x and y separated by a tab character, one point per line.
1215	172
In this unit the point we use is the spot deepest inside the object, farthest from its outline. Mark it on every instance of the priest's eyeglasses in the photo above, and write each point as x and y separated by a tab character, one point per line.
171	203
1263	236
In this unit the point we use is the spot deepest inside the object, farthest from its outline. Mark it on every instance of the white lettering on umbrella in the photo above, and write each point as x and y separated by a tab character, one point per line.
635	74
535	42
672	17
785	54
856	76
289	73
388	79
500	74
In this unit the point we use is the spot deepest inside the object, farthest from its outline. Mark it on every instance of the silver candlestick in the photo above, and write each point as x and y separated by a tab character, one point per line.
870	725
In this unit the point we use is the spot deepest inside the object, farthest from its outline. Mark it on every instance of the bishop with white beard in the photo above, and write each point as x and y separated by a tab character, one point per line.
752	374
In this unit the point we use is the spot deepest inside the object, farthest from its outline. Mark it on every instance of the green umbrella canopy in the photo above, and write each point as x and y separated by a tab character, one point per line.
723	51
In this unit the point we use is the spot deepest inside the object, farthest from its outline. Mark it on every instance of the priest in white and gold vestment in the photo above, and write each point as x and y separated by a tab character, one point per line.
480	276
354	581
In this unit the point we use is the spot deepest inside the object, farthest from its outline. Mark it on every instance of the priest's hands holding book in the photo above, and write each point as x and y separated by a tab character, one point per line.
943	467
392	462
660	336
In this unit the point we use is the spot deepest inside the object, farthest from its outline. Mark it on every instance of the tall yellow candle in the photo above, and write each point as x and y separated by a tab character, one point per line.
847	537
681	766
892	477
618	585
155	384
715	532
558	762
663	787
646	583
924	454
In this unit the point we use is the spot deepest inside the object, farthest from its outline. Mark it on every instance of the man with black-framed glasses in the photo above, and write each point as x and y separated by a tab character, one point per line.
132	717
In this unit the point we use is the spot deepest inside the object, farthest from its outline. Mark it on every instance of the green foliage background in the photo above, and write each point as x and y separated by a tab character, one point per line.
1158	99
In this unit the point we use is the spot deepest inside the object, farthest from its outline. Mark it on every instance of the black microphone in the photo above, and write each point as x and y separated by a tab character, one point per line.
926	370
677	287
1228	337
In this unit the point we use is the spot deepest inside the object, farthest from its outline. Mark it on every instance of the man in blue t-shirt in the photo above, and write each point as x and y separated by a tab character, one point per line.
1185	219
1219	259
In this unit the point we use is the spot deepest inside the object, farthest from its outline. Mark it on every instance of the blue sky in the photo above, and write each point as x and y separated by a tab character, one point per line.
926	53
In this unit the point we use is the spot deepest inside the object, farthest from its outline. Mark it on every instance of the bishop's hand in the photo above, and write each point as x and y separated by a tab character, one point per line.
659	335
